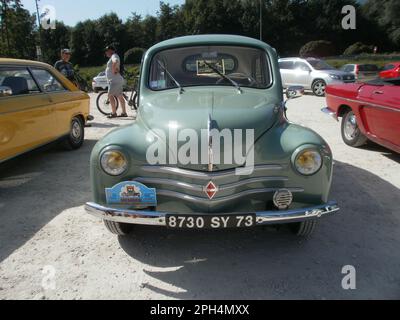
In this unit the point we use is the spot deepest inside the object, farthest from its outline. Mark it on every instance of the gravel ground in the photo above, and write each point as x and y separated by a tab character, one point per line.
51	249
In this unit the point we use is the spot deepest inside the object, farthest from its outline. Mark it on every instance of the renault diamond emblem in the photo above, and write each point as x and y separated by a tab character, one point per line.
211	190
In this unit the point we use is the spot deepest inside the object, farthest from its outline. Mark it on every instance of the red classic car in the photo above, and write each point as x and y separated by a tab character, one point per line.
390	71
370	111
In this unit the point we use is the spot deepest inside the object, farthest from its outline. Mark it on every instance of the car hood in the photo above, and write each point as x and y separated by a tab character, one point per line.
199	108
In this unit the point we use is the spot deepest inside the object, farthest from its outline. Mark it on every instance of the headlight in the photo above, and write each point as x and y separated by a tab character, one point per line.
334	76
113	162
308	162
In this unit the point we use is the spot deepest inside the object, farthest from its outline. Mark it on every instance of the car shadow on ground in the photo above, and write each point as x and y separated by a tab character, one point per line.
270	264
371	146
47	181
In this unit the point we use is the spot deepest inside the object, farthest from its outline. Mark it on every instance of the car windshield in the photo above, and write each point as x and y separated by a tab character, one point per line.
320	65
210	66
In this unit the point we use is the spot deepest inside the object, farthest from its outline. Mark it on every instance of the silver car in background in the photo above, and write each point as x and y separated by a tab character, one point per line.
362	72
312	74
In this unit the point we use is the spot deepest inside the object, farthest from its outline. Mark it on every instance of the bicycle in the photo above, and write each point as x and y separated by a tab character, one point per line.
104	104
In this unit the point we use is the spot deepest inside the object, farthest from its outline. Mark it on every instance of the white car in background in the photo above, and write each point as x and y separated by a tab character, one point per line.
100	82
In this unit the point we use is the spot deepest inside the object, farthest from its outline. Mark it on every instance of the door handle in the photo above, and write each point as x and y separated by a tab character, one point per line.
378	92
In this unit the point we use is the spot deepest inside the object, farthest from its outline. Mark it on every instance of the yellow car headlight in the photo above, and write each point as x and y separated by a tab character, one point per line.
308	162
113	162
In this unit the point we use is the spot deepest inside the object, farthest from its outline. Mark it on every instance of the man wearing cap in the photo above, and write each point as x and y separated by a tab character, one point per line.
115	82
64	66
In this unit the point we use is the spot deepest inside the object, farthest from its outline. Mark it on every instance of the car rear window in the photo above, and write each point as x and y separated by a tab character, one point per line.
368	67
388	67
286	65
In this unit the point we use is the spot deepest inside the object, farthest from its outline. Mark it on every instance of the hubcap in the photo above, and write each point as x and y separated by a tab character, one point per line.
351	127
319	88
76	130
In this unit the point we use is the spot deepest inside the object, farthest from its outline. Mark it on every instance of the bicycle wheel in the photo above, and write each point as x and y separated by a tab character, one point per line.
133	102
104	104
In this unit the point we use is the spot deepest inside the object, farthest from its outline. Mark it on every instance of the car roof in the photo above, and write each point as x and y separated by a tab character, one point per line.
394	63
293	58
21	62
213	39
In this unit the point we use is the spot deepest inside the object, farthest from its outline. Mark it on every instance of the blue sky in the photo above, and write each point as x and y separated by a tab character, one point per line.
72	11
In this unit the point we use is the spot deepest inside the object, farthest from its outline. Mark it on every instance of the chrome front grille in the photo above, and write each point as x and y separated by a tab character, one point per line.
189	185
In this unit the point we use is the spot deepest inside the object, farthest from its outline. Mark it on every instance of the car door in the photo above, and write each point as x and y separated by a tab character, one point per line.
63	104
387	71
302	74
385	113
25	116
287	72
380	112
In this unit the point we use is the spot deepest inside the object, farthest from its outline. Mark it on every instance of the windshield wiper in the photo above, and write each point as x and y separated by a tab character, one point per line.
234	83
171	76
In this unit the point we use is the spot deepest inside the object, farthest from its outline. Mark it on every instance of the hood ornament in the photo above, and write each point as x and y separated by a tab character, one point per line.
210	146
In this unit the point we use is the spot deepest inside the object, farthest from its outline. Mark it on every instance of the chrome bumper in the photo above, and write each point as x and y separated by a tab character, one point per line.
159	218
330	112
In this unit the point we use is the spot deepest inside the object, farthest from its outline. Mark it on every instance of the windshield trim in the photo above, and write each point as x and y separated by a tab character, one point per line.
268	59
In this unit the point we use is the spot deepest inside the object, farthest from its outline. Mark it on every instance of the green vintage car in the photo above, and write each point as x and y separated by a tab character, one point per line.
212	147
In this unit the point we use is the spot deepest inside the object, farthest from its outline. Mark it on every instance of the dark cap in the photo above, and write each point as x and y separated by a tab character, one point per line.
67	51
111	47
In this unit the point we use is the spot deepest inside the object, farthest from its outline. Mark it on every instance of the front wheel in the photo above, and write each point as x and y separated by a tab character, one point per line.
104	104
351	133
319	88
118	228
76	135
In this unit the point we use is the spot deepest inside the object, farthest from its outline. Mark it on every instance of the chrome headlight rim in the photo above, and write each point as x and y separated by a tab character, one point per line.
300	151
117	150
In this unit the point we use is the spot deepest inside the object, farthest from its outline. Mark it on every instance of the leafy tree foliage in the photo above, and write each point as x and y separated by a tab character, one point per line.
320	48
287	25
358	48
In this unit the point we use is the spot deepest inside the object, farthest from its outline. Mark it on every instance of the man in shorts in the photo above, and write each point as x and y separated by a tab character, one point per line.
115	82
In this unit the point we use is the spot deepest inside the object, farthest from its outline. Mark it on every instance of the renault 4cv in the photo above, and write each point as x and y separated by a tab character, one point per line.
211	147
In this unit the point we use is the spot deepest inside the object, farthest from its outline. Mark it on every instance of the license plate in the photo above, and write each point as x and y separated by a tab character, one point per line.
211	222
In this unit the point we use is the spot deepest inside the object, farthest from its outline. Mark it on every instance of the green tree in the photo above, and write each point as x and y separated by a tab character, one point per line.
170	22
149	31
135	31
53	40
18	33
385	14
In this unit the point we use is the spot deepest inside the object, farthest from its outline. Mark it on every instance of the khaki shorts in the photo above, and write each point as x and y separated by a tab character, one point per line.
115	87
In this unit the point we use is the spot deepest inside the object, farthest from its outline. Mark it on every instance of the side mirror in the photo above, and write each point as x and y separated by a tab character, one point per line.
294	92
5	91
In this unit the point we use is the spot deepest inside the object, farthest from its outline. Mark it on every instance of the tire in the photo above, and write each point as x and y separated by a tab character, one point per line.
304	229
351	133
76	135
104	104
319	87
133	103
117	228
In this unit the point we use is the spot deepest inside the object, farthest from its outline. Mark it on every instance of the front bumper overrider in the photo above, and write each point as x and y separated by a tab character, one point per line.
155	218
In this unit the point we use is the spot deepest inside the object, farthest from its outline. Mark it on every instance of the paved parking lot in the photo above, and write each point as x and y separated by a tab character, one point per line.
51	249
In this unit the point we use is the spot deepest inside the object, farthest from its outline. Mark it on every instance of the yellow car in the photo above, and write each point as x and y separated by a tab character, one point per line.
38	105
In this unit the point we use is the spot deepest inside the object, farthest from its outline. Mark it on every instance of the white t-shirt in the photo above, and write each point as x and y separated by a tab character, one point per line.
109	71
